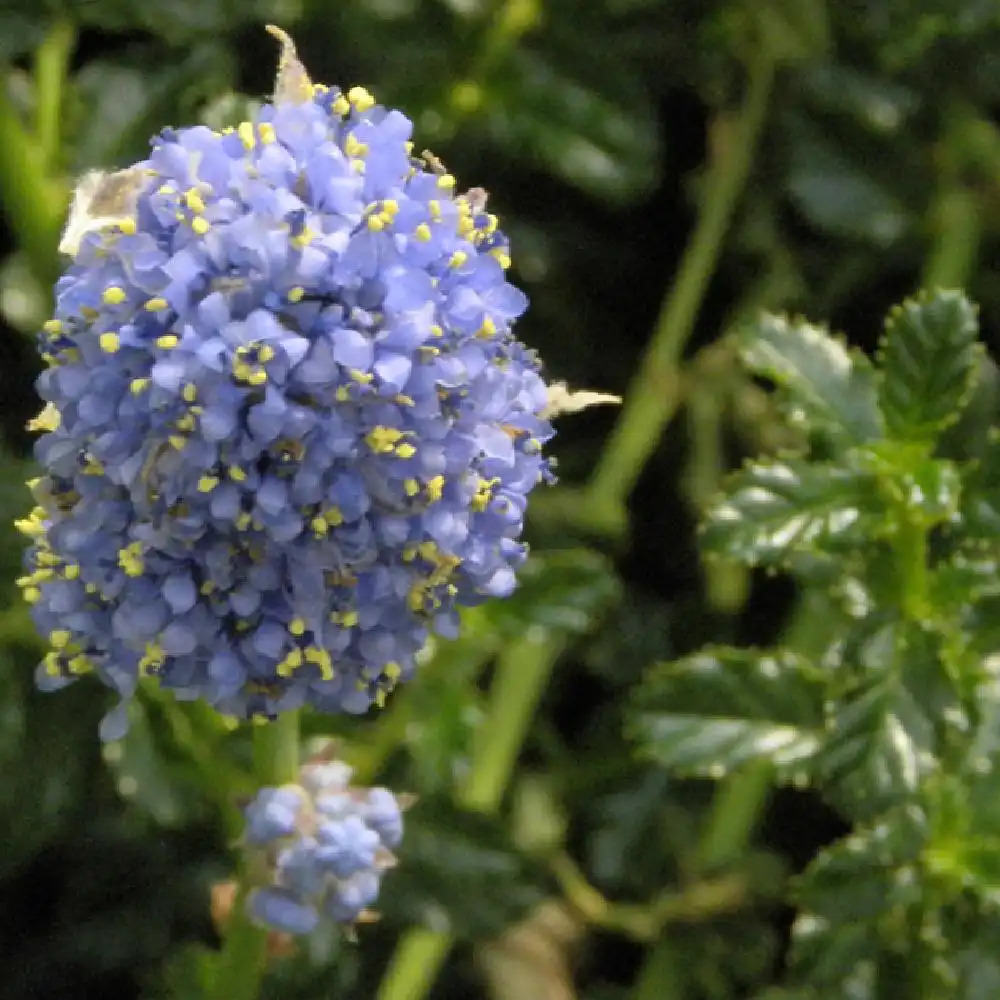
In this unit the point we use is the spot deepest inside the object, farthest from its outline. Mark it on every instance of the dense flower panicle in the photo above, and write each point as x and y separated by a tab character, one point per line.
289	428
326	846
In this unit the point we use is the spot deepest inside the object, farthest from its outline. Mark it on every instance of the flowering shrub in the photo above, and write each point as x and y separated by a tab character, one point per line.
291	435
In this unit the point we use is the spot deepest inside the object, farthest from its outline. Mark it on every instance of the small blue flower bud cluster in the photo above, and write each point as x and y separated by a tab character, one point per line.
289	427
327	847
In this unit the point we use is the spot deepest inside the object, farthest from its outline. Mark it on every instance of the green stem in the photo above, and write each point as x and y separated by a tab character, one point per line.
652	398
415	965
276	750
957	221
523	670
703	900
243	960
911	560
509	23
706	398
33	203
736	808
664	975
51	62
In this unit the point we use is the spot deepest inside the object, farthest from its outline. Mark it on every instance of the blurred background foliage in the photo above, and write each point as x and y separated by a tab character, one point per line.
664	168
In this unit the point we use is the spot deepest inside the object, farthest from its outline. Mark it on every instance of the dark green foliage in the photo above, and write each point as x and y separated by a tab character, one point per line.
874	486
893	720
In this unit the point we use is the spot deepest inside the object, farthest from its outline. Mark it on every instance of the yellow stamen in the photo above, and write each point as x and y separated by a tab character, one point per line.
245	132
360	98
60	638
383	439
194	201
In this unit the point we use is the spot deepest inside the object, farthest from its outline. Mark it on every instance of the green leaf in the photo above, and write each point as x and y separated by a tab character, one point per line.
828	955
837	190
564	591
859	877
603	143
723	707
772	509
460	870
850	894
929	357
116	106
887	727
980	509
823	385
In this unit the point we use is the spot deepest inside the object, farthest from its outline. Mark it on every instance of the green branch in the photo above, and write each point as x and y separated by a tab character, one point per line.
33	203
243	960
652	398
523	670
703	900
51	62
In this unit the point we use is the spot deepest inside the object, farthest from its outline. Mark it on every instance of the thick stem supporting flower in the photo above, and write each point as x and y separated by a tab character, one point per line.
523	670
652	398
51	62
33	204
242	962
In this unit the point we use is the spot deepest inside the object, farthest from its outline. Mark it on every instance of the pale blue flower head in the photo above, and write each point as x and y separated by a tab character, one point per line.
289	428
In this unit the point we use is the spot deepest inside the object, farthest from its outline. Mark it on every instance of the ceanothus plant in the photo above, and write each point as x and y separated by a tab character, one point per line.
886	693
288	432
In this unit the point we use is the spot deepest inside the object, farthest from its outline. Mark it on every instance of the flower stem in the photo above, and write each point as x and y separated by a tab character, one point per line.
33	203
242	962
523	670
51	63
415	964
652	398
736	809
276	750
957	218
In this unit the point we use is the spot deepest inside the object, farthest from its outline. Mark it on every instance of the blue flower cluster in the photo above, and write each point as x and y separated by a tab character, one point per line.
289	427
326	846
